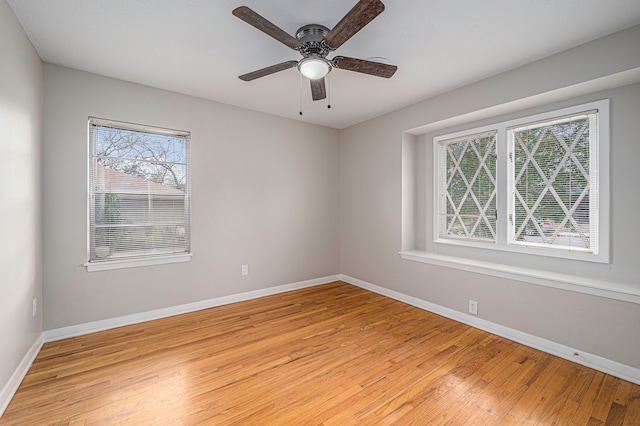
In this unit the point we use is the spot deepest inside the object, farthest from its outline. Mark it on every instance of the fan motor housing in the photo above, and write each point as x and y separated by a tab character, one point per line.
311	37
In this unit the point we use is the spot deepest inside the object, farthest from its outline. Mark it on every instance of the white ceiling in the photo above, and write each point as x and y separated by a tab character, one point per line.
197	47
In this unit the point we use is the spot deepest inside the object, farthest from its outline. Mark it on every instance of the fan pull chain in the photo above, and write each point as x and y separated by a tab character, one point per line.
300	94
329	90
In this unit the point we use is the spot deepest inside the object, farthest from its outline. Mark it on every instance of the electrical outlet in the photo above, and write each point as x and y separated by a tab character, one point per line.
245	270
34	307
473	307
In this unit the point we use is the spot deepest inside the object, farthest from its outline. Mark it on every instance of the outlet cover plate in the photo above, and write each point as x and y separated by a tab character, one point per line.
473	307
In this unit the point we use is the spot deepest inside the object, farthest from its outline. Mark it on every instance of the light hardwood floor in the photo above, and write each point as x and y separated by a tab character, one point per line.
333	355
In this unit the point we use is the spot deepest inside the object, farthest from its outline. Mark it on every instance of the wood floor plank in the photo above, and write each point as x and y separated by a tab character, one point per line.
632	416
333	354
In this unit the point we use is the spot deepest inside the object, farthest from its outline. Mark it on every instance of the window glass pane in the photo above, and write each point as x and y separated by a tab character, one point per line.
468	188
552	183
123	143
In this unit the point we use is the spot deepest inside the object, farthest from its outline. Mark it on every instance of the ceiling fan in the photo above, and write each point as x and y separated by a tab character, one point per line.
315	41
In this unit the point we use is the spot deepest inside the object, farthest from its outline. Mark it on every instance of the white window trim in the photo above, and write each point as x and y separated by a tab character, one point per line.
501	243
133	263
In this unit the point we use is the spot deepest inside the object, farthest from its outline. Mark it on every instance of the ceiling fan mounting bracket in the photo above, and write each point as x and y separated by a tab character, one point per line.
311	36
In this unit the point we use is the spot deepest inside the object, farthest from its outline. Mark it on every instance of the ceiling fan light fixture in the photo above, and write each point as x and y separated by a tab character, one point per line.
314	67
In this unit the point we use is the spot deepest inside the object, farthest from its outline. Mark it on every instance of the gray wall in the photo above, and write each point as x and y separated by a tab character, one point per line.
265	192
20	197
292	200
371	200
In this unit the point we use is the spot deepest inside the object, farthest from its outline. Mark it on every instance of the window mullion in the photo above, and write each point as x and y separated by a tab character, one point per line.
504	187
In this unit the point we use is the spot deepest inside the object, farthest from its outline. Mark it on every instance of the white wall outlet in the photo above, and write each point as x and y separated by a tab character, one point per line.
245	270
34	306
473	307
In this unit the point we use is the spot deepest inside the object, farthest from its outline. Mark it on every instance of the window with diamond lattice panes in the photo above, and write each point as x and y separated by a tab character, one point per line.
467	205
553	183
534	185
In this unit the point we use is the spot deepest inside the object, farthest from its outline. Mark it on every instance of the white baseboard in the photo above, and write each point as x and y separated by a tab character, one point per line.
12	385
596	362
95	326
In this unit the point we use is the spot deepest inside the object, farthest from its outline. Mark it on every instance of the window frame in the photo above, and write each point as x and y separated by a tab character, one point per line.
505	183
442	207
119	262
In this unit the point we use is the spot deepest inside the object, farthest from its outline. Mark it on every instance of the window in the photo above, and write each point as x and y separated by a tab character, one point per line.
553	179
468	187
138	195
532	185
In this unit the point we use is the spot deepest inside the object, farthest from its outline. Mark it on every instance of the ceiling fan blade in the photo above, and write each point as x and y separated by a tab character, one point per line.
268	70
257	21
360	15
366	67
318	89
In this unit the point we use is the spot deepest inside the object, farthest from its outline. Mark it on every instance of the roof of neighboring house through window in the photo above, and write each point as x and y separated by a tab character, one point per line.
110	180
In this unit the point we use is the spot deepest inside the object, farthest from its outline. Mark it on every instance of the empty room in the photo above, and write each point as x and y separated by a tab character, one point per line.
322	212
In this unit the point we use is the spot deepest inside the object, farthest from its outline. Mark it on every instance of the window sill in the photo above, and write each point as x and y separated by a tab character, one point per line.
530	249
107	265
608	289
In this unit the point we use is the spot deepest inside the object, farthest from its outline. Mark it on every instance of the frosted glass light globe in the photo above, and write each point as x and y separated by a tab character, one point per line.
314	68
